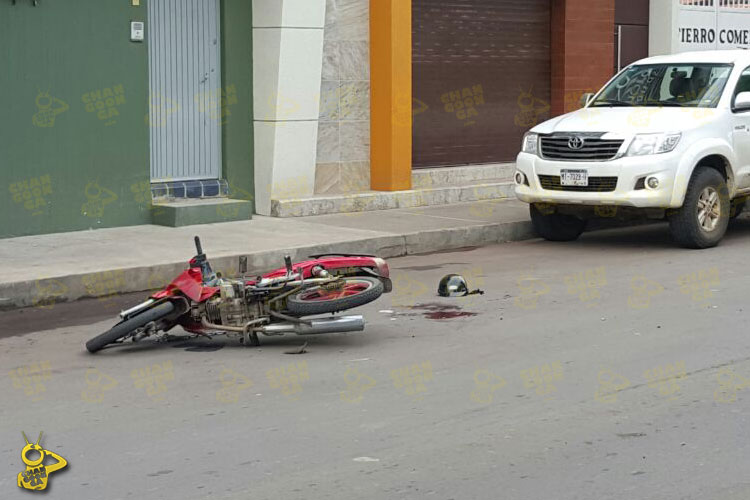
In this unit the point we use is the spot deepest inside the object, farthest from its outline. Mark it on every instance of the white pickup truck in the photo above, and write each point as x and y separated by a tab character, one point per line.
667	137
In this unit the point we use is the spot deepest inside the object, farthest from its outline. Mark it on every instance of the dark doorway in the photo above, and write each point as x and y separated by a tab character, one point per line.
631	31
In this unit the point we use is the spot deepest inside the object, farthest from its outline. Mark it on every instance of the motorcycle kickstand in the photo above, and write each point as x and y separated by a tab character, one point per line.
250	339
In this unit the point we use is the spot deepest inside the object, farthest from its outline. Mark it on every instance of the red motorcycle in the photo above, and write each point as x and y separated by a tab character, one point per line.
205	303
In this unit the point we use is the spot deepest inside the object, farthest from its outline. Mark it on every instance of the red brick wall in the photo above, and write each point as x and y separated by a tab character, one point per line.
582	49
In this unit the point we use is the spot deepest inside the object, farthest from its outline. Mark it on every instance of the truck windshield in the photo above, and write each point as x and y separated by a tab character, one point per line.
688	85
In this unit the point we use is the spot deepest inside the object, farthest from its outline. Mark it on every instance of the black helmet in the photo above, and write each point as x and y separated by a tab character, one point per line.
453	285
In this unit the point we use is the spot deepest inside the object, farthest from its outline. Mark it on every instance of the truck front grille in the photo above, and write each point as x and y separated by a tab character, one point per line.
596	184
560	147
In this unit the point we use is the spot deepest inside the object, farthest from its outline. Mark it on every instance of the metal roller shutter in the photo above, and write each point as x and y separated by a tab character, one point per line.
185	88
481	74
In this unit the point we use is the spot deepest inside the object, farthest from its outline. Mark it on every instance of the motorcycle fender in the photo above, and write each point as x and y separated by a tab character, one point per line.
190	283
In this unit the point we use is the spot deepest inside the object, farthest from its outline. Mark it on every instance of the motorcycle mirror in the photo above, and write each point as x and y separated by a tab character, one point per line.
198	247
288	264
243	265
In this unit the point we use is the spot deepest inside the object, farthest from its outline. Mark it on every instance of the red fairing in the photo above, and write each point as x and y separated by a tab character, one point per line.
330	263
190	283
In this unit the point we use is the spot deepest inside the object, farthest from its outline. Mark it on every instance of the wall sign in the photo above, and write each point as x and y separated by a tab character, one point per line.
688	25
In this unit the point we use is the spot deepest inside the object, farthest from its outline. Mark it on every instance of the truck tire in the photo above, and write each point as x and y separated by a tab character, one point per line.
703	218
556	227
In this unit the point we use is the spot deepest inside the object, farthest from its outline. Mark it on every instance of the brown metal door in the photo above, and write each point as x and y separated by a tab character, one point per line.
631	31
481	78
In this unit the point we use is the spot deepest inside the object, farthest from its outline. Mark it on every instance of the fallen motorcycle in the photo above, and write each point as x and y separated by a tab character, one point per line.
205	303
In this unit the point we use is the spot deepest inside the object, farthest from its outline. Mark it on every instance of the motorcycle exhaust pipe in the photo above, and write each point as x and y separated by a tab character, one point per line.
323	325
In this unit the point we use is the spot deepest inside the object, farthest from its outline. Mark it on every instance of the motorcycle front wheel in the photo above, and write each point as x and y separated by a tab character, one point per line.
355	292
123	328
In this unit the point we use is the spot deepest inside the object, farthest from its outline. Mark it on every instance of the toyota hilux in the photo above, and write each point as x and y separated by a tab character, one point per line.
667	137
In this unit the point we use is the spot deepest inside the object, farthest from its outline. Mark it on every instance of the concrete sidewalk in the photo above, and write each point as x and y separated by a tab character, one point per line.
39	270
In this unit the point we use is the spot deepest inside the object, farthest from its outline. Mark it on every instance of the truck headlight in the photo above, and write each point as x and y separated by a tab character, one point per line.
649	144
530	143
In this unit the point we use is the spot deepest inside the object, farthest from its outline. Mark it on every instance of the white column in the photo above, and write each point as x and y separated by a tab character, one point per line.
287	63
663	33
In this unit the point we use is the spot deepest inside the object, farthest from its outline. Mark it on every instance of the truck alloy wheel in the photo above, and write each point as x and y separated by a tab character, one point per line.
703	218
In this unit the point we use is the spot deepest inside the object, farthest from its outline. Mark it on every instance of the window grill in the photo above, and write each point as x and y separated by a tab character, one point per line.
734	4
699	3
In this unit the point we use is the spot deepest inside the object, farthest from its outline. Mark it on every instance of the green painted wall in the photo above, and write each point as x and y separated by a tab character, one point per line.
73	138
237	76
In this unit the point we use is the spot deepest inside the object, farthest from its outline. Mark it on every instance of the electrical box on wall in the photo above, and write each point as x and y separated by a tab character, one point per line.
136	31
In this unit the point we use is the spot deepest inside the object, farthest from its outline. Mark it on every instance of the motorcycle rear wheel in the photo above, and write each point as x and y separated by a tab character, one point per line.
123	328
356	291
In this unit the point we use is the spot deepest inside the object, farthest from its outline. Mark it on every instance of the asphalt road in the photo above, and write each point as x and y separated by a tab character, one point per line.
614	367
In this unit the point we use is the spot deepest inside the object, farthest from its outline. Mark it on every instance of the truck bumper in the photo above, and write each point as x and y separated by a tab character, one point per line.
627	171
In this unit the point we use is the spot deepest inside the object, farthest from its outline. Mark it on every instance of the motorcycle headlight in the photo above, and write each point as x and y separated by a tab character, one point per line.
530	143
649	144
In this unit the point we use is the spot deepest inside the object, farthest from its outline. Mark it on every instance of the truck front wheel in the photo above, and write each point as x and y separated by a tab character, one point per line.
703	218
556	227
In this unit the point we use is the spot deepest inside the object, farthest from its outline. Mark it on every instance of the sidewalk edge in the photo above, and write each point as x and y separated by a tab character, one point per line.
47	291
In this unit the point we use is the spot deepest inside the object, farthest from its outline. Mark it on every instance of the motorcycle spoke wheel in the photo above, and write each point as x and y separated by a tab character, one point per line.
355	291
347	290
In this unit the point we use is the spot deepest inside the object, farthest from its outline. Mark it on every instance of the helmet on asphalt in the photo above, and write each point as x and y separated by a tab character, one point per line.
453	285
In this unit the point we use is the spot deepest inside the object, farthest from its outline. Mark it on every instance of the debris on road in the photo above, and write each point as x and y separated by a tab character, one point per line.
301	350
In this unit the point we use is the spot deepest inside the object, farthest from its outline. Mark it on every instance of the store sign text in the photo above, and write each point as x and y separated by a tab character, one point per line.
708	35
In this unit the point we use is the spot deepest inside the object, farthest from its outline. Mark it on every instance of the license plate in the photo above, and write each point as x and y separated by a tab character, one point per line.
574	177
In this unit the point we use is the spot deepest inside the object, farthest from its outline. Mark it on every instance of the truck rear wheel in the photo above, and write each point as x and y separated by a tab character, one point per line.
703	218
556	227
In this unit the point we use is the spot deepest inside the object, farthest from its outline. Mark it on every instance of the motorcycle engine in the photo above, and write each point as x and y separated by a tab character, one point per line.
232	306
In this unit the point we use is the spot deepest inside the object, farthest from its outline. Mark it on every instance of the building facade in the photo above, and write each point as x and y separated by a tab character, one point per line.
101	122
228	107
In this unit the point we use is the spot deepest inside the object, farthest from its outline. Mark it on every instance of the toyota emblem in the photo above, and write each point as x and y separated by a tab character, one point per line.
575	142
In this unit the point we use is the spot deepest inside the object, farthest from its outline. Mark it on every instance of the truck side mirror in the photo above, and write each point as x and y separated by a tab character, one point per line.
586	99
742	102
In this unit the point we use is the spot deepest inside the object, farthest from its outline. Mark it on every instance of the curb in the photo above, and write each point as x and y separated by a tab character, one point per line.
69	288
